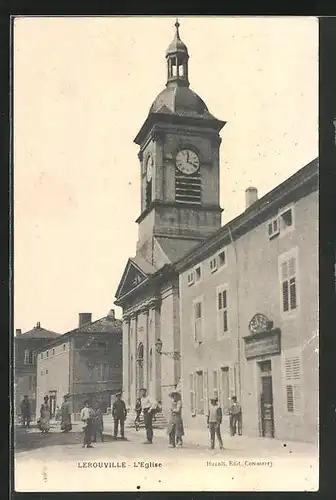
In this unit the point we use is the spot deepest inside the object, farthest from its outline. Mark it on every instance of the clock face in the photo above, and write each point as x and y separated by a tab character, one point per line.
149	168
259	323
187	161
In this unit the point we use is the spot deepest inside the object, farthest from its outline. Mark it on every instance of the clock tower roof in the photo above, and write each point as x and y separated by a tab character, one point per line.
181	101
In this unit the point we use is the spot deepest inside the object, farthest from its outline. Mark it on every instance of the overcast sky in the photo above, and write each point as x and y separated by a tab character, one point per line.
82	89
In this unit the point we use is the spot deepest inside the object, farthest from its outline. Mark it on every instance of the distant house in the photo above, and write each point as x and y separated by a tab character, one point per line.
26	346
85	363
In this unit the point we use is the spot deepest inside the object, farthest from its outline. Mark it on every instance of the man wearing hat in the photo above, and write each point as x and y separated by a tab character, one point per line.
214	421
119	413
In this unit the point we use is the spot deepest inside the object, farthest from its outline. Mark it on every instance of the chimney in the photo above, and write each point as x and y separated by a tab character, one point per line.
18	332
38	325
84	319
251	196
111	314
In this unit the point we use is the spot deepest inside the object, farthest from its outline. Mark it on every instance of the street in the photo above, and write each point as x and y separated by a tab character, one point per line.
57	462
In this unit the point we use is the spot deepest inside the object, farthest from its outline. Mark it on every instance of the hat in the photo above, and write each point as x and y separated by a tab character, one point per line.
174	393
86	402
214	398
118	394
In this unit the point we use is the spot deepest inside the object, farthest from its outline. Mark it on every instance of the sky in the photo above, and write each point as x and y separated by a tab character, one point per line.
83	88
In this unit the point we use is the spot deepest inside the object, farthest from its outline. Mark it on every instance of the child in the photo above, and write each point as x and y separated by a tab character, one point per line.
214	421
138	413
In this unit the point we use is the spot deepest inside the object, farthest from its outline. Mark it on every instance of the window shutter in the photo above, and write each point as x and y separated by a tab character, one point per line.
220	388
206	392
192	392
293	384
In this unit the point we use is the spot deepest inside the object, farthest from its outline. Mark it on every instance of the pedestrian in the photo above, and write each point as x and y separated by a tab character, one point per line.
58	413
175	424
149	407
119	414
214	421
44	421
86	416
138	413
98	424
25	411
66	424
235	413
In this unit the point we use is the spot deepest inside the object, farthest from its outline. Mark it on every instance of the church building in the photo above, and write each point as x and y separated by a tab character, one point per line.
211	309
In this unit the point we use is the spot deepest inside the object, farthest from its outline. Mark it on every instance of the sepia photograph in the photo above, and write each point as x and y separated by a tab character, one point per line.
166	217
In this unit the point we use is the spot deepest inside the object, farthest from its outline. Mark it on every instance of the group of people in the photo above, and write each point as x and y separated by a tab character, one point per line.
150	408
93	426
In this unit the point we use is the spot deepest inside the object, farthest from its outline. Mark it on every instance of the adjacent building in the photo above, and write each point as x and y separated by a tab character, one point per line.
85	363
229	310
26	346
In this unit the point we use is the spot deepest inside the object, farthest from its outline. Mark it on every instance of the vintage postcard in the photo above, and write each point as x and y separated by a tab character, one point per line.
166	253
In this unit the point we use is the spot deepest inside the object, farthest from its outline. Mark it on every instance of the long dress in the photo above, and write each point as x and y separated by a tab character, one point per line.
66	425
44	423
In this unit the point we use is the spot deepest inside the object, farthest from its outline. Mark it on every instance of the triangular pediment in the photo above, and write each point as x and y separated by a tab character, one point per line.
132	277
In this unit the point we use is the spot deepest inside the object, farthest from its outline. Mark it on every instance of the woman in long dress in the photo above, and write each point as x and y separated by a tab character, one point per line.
66	425
98	424
44	422
175	425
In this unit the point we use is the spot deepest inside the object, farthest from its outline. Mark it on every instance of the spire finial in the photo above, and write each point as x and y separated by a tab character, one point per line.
177	25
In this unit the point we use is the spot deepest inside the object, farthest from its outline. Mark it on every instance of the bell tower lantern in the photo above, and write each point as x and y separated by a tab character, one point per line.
179	166
177	60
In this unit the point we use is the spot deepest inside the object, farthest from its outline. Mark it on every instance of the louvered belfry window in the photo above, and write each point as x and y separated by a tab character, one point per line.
188	188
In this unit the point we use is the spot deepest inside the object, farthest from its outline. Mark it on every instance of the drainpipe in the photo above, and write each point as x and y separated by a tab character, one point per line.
238	319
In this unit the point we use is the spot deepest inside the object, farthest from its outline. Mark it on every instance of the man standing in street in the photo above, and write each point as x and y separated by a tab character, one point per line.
235	417
87	418
119	414
148	407
214	421
25	411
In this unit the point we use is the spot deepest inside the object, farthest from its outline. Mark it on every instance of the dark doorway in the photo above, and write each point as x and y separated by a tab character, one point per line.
266	399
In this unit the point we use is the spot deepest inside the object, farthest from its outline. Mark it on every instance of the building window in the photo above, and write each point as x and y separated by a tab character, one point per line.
221	259
192	384
286	219
198	273
292	367
224	387
196	386
47	354
198	317
273	228
28	357
282	223
53	351
47	372
63	347
30	382
222	311
199	393
213	264
191	278
215	383
41	355
288	279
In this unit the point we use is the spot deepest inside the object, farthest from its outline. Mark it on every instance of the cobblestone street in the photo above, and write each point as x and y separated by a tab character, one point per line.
57	462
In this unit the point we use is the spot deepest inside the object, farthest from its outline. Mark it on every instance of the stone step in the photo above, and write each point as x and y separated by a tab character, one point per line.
160	421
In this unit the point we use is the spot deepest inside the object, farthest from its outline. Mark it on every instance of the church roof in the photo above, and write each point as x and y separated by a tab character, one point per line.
181	101
175	249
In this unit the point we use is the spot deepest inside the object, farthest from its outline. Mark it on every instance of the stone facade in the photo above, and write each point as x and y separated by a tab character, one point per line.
85	363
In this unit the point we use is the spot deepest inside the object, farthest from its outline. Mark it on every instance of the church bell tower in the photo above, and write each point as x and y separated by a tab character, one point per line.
179	164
